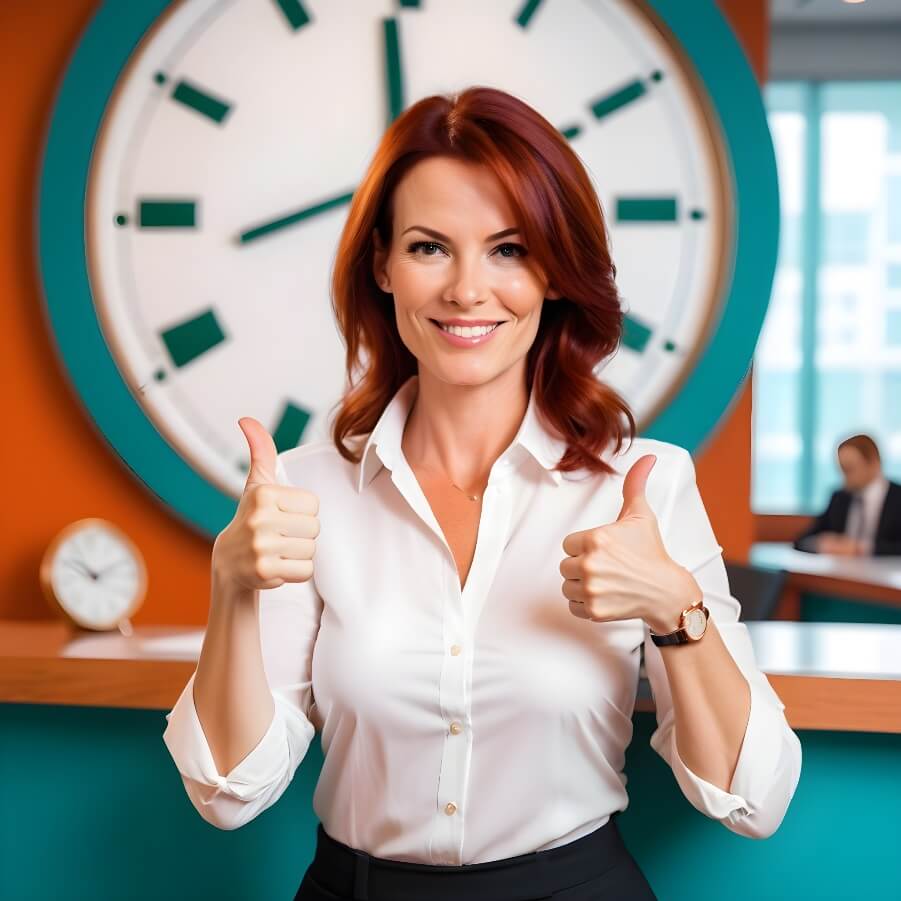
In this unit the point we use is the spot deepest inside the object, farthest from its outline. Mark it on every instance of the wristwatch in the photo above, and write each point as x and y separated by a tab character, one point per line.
692	626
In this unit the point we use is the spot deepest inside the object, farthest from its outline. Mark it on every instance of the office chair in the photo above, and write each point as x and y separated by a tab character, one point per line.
756	589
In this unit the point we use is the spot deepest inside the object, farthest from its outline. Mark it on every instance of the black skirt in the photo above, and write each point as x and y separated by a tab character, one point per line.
596	867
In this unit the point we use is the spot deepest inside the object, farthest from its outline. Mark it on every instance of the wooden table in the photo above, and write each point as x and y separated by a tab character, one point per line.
875	579
844	676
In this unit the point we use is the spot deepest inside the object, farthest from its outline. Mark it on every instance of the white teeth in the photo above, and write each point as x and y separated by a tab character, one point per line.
467	331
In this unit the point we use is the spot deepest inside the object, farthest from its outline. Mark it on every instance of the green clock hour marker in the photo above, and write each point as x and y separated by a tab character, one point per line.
609	103
294	12
394	82
192	338
166	213
571	132
200	101
669	345
291	425
524	16
636	334
646	209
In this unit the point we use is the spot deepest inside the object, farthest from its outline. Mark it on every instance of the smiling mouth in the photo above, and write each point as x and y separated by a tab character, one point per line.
468	331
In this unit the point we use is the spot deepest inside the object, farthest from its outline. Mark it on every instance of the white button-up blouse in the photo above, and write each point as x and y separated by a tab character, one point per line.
463	726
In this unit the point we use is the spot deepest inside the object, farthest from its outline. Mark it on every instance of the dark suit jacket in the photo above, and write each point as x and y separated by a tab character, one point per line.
834	517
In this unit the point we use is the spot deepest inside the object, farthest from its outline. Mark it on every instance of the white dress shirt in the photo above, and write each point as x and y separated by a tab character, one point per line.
873	497
466	726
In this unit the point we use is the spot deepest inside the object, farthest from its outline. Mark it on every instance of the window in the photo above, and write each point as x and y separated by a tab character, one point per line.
828	362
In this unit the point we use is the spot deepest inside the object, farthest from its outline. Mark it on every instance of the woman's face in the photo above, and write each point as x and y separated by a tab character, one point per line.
447	261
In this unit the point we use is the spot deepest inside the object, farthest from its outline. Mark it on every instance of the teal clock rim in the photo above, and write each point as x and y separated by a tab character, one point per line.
84	90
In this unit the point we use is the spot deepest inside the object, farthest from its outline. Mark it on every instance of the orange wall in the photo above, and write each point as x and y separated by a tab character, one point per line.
724	464
59	468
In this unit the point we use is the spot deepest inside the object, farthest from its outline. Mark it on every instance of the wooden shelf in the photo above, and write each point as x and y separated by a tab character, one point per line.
50	662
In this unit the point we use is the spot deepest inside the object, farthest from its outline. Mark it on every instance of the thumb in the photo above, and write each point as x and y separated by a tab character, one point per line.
262	453
634	500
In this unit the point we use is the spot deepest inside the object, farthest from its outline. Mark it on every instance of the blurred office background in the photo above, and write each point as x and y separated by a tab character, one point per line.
828	363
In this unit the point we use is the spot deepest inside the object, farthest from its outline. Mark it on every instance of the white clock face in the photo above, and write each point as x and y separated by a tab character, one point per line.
95	576
238	132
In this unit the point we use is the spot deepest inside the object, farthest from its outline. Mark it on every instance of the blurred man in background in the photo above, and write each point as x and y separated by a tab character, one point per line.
864	517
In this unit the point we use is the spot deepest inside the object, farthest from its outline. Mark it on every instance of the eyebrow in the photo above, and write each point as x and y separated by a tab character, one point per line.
436	234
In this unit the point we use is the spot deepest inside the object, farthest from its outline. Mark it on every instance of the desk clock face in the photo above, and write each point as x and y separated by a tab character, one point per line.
94	573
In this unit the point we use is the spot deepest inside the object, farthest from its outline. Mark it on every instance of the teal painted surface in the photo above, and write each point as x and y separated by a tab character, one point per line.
78	108
93	809
96	62
822	608
722	68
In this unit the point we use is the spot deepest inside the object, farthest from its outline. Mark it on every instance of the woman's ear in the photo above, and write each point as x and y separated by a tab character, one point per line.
379	255
552	294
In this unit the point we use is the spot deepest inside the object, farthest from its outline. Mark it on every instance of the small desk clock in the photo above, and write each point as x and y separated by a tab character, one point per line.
94	575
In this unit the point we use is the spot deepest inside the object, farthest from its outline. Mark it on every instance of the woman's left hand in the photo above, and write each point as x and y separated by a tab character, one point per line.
621	570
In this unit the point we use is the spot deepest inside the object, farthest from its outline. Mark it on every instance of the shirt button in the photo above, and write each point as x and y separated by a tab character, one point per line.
450	808
455	649
456	728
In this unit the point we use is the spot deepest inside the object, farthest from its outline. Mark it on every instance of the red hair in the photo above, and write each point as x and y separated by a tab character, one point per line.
561	219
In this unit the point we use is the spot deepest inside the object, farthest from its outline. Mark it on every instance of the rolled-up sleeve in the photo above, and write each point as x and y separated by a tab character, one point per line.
769	763
289	623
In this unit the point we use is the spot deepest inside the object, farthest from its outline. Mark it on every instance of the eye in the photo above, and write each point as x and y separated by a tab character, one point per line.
416	245
518	247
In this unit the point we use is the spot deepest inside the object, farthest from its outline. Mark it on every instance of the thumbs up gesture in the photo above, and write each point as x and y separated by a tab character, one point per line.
621	570
271	539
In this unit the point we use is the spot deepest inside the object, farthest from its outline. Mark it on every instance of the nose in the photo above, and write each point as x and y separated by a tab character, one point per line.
467	283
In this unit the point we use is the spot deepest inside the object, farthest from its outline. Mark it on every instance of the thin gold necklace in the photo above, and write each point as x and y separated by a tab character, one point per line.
472	497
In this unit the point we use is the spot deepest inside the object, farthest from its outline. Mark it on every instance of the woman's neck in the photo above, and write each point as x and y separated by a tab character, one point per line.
460	430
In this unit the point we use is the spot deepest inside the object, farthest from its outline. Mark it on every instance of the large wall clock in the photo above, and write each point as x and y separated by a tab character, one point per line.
202	155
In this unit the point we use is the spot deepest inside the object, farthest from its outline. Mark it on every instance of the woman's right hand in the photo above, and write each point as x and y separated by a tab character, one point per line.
271	539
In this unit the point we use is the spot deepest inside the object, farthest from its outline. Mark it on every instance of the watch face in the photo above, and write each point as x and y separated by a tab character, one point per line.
695	623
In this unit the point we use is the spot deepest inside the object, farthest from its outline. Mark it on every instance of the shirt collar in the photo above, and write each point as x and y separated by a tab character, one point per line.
383	446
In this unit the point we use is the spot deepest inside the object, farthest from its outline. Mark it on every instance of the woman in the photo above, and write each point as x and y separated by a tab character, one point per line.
489	560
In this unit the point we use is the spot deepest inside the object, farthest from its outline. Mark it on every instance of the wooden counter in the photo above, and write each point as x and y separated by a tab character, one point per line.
843	676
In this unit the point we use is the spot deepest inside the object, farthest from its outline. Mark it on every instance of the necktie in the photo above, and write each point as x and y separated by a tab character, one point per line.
855	524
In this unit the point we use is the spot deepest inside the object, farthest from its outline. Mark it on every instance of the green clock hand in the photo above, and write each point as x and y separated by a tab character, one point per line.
274	225
394	77
394	84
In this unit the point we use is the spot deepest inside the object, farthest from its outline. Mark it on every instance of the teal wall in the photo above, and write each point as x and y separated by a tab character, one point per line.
825	608
94	809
